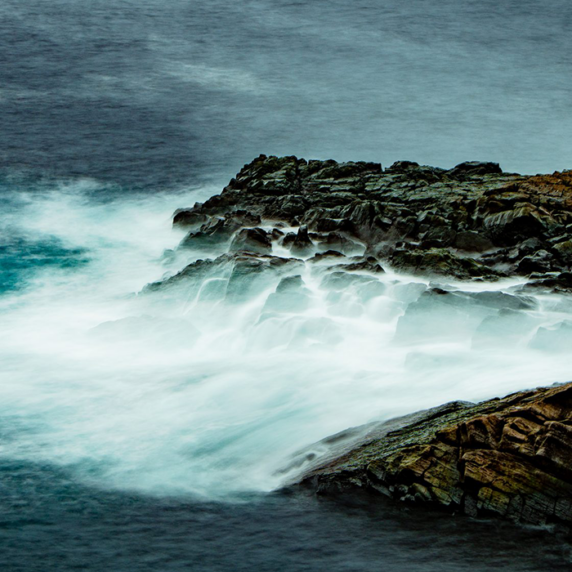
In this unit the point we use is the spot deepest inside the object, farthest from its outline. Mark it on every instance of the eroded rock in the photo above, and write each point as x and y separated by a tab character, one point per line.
510	457
469	222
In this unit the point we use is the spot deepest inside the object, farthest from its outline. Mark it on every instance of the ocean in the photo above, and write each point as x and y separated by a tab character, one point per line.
152	433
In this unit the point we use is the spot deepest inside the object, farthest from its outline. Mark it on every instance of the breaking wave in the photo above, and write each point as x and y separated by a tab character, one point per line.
208	387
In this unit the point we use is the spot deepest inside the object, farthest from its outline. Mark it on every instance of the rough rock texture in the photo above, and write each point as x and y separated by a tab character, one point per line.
233	276
509	457
469	222
351	221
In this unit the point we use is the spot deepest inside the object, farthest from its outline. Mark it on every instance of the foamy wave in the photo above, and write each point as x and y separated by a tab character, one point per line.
192	394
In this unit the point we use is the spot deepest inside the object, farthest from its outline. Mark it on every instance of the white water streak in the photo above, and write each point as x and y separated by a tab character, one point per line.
175	396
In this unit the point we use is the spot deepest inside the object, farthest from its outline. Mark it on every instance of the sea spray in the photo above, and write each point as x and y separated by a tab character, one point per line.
175	392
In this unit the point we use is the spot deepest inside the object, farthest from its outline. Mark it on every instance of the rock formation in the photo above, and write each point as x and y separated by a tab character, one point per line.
351	222
469	222
509	457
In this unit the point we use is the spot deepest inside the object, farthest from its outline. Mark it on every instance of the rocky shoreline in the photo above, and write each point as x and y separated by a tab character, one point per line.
352	222
507	457
469	222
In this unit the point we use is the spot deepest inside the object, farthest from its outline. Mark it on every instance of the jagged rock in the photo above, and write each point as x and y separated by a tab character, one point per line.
276	234
564	250
368	264
510	457
511	226
474	169
187	217
302	245
439	262
212	236
233	277
252	274
403	166
469	222
193	273
290	284
252	240
244	218
530	246
557	281
217	231
329	254
471	241
290	296
335	241
540	261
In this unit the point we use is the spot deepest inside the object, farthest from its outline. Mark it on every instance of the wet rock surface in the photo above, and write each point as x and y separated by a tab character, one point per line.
470	222
507	457
344	226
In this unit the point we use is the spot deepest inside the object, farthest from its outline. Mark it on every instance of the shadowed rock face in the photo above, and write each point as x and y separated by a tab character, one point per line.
509	457
469	222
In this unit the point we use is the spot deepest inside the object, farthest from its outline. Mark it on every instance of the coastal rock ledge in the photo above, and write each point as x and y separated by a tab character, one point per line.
509	457
472	222
349	223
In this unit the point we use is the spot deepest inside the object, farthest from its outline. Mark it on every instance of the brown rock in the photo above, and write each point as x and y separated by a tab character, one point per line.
509	457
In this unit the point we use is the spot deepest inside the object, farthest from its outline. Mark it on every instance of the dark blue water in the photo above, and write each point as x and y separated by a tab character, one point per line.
149	94
103	102
50	522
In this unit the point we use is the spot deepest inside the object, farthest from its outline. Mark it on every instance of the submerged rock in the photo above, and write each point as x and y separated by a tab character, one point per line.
302	245
231	277
509	457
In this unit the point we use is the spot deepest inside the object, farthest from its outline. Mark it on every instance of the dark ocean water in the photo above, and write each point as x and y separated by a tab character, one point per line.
130	456
50	522
151	93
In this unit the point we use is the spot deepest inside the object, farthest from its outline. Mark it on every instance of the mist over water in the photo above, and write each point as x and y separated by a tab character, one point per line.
171	406
209	388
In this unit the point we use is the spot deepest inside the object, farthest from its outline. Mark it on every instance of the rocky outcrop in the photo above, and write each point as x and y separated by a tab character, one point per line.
232	277
341	226
469	222
509	457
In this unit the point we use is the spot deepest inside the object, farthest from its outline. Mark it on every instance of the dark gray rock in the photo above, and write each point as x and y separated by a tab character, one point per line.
302	245
290	296
188	217
339	243
474	169
471	241
470	222
540	261
252	240
439	262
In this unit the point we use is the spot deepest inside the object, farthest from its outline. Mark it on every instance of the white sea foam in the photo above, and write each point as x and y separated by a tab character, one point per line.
179	394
